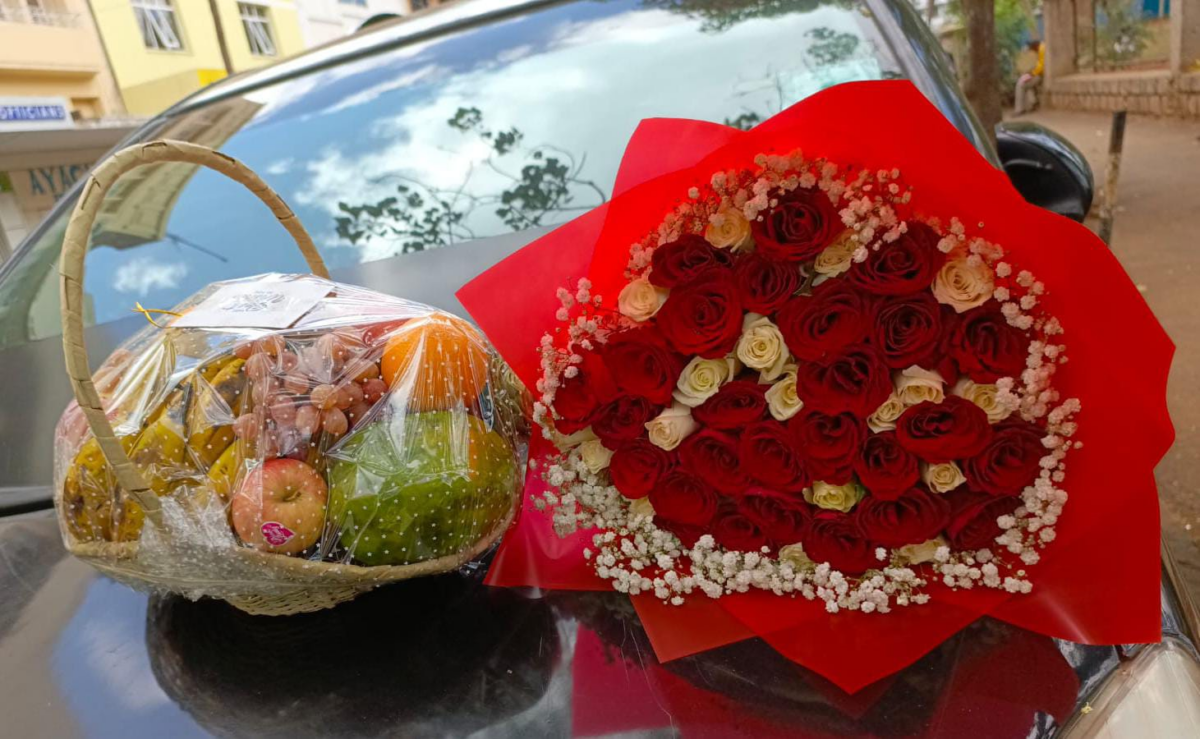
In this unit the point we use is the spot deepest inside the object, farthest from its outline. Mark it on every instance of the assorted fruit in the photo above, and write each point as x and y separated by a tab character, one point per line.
389	442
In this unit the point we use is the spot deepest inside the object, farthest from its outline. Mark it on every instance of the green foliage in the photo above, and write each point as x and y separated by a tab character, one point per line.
1120	34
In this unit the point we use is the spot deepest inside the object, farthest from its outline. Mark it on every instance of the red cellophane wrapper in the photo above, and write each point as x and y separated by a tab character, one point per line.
1097	584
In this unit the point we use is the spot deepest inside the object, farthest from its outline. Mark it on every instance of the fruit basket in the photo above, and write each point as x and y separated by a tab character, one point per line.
281	442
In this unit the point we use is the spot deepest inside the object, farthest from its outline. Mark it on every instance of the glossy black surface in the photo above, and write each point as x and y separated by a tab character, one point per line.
1046	168
81	656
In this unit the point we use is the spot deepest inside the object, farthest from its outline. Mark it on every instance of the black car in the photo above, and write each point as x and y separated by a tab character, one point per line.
419	152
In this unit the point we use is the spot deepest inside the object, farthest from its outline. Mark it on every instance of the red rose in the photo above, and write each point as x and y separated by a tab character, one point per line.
768	456
906	265
735	405
764	284
687	534
835	316
1009	462
912	518
739	533
682	261
973	517
712	456
986	347
855	380
835	538
578	397
799	227
641	363
622	420
956	428
829	442
781	516
684	499
702	318
908	331
636	468
885	468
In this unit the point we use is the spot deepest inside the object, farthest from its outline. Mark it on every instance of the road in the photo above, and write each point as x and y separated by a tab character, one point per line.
1155	236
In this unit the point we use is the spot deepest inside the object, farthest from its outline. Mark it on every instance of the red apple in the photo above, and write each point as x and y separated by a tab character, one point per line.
280	507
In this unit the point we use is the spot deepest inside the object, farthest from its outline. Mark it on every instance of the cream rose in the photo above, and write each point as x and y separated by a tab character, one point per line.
942	477
915	385
641	507
794	555
761	347
702	378
595	455
885	416
729	229
782	399
964	283
915	554
985	396
837	257
834	497
570	441
640	300
671	427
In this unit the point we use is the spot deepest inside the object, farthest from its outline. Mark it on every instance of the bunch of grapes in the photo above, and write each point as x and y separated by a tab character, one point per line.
301	389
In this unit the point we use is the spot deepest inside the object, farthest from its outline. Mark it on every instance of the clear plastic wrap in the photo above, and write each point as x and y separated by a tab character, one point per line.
372	439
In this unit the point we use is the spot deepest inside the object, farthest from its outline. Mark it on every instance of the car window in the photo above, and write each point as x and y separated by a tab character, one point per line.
503	126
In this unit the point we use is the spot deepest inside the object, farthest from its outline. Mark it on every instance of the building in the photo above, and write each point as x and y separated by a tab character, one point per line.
163	50
60	108
322	21
1142	56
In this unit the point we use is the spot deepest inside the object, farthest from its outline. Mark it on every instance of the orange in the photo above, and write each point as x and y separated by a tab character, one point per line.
436	362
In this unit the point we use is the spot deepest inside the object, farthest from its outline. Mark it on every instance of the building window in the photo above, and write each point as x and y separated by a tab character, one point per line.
419	5
157	21
362	3
258	29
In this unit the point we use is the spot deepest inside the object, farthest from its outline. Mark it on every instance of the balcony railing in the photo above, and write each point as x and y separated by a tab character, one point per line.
12	12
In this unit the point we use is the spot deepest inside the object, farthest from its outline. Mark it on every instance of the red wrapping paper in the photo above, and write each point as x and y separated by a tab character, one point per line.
1098	583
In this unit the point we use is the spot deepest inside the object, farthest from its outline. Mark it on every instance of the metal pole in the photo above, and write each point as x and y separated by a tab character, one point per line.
222	44
1116	142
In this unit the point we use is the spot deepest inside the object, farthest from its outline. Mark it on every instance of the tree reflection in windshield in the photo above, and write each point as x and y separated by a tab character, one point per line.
424	217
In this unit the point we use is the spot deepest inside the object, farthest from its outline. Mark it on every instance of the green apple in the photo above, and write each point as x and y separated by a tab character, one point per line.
419	486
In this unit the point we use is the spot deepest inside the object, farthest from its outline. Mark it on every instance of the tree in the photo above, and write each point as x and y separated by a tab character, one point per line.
982	75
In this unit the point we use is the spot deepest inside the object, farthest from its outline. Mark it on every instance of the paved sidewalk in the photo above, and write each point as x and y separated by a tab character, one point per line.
1156	235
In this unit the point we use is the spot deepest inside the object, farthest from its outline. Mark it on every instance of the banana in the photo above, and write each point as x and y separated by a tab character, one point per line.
223	474
215	405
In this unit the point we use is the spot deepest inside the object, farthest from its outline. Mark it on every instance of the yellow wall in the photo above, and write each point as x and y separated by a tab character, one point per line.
152	80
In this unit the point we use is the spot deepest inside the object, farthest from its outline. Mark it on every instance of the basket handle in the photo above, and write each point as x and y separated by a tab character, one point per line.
71	266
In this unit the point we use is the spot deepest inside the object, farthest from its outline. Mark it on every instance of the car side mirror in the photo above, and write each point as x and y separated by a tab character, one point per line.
1046	168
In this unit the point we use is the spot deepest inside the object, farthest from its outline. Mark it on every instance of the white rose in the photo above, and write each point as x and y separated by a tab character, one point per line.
794	555
915	385
837	257
761	347
834	497
729	229
985	396
641	507
702	378
671	427
915	554
569	441
943	477
964	283
885	416
595	455
782	399
640	300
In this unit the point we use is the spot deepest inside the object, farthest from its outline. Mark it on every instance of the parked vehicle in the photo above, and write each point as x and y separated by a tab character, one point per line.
419	152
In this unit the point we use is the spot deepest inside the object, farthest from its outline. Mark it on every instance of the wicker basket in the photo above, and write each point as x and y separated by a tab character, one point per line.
275	584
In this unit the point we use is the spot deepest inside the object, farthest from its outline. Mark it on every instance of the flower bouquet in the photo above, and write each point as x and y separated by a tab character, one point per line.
283	442
834	373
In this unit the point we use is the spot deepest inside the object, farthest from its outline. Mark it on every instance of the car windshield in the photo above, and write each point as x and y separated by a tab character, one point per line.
495	127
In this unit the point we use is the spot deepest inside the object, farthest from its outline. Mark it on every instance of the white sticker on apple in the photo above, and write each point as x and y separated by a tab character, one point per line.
276	534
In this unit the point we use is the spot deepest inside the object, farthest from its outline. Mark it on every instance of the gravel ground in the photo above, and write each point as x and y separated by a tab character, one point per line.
1155	237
